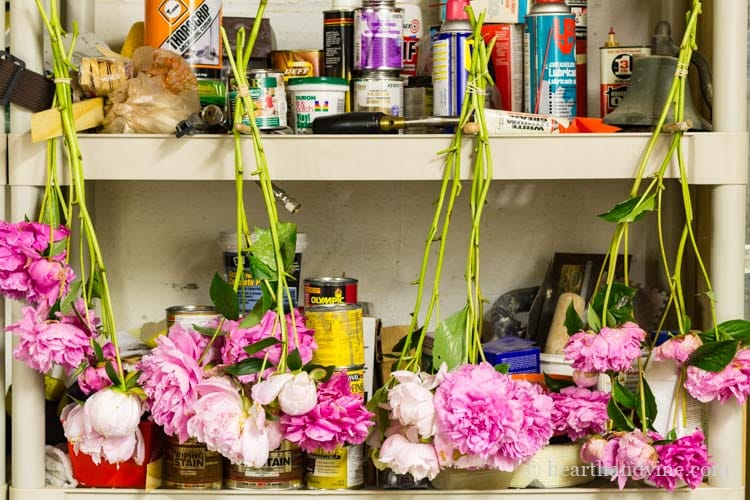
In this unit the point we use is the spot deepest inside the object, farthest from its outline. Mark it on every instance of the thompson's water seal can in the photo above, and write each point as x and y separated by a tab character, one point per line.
550	62
378	39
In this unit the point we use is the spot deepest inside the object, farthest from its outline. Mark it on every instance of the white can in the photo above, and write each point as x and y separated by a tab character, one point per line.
378	91
413	32
313	97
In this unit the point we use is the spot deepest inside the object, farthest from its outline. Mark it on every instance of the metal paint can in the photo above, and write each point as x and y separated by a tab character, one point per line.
550	62
378	38
191	466
325	290
338	333
192	315
356	376
378	91
284	470
341	469
297	63
313	97
615	71
267	90
412	32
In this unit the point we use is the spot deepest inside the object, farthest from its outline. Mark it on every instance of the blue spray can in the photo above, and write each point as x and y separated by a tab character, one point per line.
451	57
550	62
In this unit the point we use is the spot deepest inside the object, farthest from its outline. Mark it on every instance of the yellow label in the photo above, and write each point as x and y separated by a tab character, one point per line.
339	337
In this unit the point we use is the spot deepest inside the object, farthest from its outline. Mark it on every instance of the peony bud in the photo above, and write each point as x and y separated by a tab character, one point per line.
592	451
585	379
403	456
268	390
299	395
113	413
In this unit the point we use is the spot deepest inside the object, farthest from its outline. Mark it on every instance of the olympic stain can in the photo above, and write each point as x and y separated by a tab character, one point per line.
325	290
378	91
284	470
550	59
341	469
268	93
338	333
191	466
378	39
191	315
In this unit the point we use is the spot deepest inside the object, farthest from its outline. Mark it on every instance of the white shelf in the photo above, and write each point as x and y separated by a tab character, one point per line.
706	493
711	157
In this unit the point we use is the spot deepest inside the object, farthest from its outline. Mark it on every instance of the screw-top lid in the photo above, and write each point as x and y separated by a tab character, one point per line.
345	4
455	10
317	80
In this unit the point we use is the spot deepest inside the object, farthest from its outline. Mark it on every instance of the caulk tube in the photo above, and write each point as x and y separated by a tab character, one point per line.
451	59
511	122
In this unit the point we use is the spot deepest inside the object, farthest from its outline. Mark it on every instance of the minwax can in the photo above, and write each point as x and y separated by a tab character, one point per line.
550	62
378	27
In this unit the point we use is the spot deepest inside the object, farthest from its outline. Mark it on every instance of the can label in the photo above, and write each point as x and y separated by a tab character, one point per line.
297	63
328	291
507	59
310	105
191	465
338	333
356	376
188	27
378	38
192	315
340	469
249	291
284	469
451	57
616	70
413	32
269	100
338	38
378	94
550	66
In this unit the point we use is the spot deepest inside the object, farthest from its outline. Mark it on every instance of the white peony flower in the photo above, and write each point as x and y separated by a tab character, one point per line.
113	413
299	395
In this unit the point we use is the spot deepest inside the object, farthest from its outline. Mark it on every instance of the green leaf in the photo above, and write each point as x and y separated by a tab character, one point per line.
52	314
502	368
672	435
260	345
629	210
735	329
131	379
255	316
620	304
593	319
98	352
650	403
449	346
573	322
621	421
262	247
205	331
556	385
51	214
56	248
66	305
687	323
245	367
714	356
111	373
96	284
623	396
260	271
319	372
224	298
294	360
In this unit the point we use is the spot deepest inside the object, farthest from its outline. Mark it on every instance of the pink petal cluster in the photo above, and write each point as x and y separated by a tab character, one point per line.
612	349
678	348
486	415
411	401
405	456
339	418
25	274
170	375
65	341
238	338
685	459
579	412
733	380
623	455
222	422
95	377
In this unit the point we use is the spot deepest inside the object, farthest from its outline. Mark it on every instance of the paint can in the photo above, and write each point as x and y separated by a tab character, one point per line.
326	290
378	38
412	32
297	63
418	102
191	466
284	470
341	469
616	68
378	91
313	97
550	62
356	376
268	93
192	315
338	333
338	43
190	28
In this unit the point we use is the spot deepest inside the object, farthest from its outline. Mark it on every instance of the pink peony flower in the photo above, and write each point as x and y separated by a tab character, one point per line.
170	375
612	349
339	418
411	400
221	421
238	338
406	457
483	413
44	343
95	377
579	412
678	348
593	449
625	454
585	379
733	380
684	459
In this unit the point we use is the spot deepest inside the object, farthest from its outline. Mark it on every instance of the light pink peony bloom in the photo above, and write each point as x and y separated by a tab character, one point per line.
299	395
339	418
678	348
44	343
170	375
113	413
411	400
612	349
585	379
266	391
593	449
579	412
628	454
685	459
733	380
483	413
406	457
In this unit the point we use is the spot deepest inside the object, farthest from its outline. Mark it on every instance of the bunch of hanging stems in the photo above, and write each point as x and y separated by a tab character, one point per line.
472	107
654	193
53	199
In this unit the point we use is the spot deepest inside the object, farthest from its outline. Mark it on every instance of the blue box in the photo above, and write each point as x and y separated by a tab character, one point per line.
521	355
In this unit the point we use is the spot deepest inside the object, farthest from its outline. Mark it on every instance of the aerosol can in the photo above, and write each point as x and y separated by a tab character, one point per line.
451	58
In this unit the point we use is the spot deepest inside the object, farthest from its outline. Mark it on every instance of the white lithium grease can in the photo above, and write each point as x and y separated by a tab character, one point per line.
313	97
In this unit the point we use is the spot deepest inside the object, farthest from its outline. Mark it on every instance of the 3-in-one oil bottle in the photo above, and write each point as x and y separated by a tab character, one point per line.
451	57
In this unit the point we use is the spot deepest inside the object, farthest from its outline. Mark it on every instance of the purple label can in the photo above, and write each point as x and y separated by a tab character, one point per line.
550	62
378	38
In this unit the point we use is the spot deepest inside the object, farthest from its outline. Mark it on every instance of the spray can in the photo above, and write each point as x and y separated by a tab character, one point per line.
616	68
550	62
579	8
413	32
451	58
378	27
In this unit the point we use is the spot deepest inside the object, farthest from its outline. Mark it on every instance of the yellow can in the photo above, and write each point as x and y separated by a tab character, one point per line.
338	333
341	469
356	375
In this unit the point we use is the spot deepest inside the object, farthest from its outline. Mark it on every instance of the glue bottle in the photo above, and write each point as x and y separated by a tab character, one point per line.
451	58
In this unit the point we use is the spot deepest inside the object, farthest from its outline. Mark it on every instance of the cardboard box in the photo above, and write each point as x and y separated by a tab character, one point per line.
507	62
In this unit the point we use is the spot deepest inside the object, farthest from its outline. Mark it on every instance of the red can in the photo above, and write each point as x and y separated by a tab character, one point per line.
325	290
